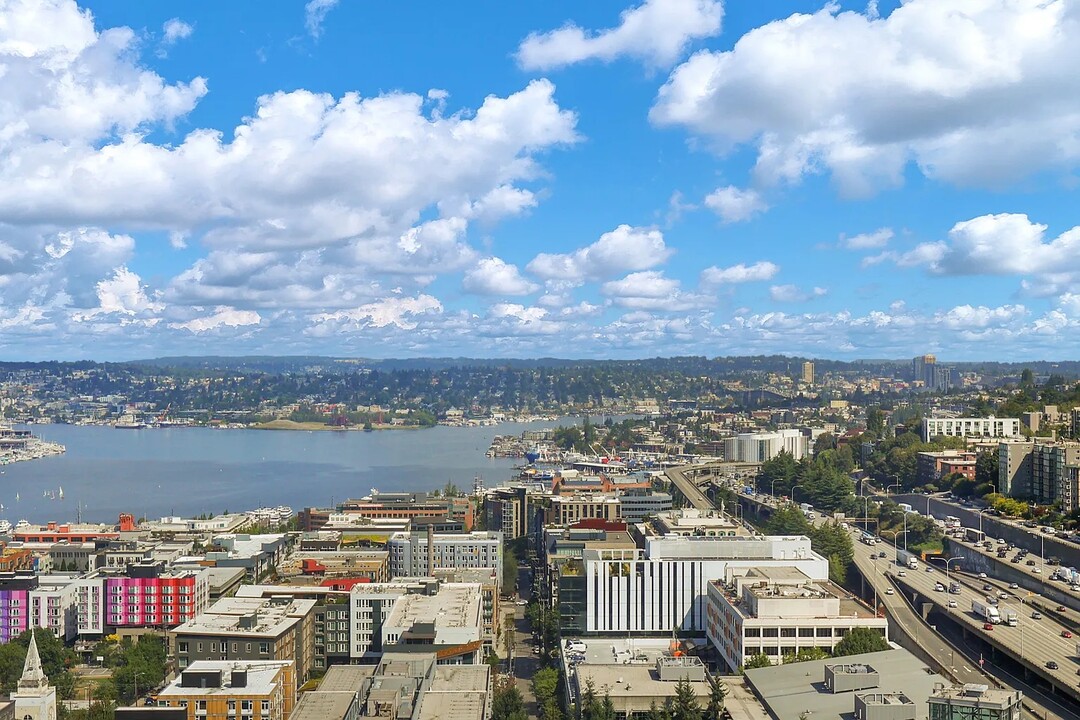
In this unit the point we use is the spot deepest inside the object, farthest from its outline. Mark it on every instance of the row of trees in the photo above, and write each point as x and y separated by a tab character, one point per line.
822	480
858	641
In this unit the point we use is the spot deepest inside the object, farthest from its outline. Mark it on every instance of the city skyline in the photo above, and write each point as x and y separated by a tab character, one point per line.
621	179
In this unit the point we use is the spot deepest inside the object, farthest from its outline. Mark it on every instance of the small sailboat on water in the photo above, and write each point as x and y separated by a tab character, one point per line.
61	493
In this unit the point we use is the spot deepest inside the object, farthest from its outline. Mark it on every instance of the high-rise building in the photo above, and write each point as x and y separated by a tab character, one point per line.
921	366
808	372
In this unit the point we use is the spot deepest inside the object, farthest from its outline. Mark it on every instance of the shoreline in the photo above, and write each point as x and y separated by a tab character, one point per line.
321	427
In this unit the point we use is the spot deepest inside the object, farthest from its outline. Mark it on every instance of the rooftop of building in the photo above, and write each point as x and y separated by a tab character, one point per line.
455	605
788	690
259	679
245	545
972	693
457	692
256	617
635	680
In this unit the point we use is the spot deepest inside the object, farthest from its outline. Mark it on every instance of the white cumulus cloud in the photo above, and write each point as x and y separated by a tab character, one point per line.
657	32
735	205
794	294
494	276
622	250
974	91
741	273
223	317
867	241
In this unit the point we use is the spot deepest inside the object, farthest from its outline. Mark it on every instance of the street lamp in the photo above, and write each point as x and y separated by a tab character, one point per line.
894	533
896	485
793	492
1042	547
772	488
950	560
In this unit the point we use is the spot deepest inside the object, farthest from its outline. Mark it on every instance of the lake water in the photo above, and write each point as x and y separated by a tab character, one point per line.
188	471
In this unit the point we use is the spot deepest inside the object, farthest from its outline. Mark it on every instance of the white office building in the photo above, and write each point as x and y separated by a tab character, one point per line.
759	447
665	586
778	611
449	551
990	427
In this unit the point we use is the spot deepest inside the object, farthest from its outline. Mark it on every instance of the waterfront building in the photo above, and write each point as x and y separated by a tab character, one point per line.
963	702
423	554
238	628
779	611
252	690
664	587
34	698
970	427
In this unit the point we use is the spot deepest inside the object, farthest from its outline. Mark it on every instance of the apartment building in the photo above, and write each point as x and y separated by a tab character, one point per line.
148	595
1041	470
331	617
448	622
26	601
237	628
778	611
569	509
932	466
664	587
227	690
423	554
507	509
971	427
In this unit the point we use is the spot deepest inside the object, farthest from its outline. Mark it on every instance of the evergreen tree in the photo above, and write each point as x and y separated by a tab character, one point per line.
717	694
686	703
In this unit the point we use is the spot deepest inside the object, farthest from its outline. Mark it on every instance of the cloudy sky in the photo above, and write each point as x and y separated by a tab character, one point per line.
616	178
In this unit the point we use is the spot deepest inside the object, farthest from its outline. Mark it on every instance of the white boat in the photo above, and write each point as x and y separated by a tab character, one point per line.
61	493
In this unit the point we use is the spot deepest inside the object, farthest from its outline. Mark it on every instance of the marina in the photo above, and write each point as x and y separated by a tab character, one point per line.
23	445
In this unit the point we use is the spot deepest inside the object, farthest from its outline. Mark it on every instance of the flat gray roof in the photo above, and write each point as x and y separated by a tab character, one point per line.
345	678
787	690
319	705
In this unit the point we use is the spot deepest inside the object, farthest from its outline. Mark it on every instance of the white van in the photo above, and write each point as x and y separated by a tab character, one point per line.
576	646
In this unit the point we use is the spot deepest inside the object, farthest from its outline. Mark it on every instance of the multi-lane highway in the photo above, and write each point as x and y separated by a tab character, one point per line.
884	572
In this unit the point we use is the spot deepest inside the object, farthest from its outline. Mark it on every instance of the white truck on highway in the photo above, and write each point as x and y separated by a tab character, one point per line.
1011	619
913	563
987	612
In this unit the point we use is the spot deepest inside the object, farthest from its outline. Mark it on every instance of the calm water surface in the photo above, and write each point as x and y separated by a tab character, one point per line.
187	471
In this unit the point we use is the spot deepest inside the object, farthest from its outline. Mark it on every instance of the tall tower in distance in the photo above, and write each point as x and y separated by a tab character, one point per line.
808	372
922	369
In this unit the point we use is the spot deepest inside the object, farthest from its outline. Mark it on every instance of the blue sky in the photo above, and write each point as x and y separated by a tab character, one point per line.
601	179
